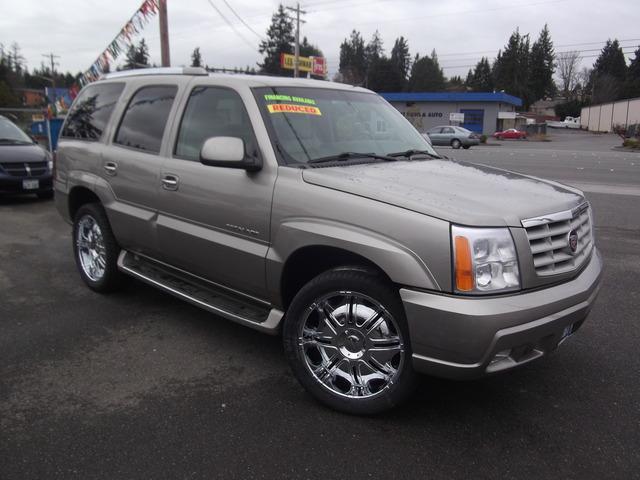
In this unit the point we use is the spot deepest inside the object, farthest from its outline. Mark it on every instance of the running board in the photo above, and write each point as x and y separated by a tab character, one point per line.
201	293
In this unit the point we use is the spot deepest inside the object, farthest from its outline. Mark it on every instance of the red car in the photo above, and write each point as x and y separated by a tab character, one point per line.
510	133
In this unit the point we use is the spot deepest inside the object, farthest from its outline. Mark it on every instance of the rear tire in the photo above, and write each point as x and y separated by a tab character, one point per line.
346	339
95	249
455	143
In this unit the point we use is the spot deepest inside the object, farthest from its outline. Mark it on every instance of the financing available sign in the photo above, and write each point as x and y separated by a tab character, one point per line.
314	65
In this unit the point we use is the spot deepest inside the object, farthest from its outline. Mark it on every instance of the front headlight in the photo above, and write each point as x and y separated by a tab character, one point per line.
484	260
50	164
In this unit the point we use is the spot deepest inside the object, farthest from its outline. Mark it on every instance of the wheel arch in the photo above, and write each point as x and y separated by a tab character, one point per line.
78	196
303	248
310	261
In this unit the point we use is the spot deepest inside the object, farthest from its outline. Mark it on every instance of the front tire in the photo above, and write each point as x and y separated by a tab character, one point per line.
455	143
347	341
95	249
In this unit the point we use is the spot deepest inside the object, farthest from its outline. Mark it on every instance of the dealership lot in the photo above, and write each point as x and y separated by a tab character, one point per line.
139	384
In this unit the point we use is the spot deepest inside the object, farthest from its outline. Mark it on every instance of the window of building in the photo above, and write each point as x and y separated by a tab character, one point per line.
91	111
143	122
213	112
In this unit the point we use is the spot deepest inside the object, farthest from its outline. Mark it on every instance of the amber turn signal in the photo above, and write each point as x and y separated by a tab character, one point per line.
464	265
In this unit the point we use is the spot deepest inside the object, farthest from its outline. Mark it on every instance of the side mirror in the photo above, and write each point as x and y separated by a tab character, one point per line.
227	152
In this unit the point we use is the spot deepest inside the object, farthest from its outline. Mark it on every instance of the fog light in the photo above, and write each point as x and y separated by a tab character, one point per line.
502	355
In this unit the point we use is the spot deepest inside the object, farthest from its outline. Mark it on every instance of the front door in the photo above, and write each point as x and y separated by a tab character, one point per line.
214	221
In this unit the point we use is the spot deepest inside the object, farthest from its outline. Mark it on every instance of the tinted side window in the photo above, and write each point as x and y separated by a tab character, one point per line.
91	111
447	130
144	120
212	112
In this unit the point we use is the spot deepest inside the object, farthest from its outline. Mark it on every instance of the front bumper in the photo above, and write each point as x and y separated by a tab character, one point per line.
469	337
13	185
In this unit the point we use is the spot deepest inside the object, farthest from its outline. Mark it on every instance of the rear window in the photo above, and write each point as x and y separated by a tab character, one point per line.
143	122
91	111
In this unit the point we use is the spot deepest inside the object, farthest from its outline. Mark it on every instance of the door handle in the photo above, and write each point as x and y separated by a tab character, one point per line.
110	168
170	182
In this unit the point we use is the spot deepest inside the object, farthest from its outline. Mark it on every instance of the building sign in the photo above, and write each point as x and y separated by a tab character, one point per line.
507	115
314	65
456	117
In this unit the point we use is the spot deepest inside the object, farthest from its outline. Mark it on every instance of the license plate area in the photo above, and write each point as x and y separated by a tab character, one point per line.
30	184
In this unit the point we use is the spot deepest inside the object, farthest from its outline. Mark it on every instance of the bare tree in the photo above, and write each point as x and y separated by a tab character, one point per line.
568	63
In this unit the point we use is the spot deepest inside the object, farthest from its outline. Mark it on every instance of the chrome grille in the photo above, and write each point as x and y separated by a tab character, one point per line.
549	240
23	169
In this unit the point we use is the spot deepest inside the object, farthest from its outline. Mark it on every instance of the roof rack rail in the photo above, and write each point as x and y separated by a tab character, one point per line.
157	71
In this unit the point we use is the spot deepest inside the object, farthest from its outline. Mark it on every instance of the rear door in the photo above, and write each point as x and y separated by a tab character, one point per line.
214	221
131	166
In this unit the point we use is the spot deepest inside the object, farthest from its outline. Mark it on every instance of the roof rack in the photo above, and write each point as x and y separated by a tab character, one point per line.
157	71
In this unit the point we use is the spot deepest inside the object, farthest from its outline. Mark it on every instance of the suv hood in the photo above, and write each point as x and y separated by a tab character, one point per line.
460	192
22	153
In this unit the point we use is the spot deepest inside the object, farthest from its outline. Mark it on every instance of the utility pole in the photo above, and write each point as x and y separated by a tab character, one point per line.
52	58
296	63
164	34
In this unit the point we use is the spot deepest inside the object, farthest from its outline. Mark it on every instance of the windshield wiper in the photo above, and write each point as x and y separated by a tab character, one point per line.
341	157
410	153
14	141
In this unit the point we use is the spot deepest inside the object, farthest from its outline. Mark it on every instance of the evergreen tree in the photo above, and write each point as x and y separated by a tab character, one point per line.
542	67
480	79
353	64
609	73
374	50
280	39
401	59
632	84
196	58
426	74
137	57
309	50
384	75
511	68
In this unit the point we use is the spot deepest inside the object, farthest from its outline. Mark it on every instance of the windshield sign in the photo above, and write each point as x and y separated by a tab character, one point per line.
313	123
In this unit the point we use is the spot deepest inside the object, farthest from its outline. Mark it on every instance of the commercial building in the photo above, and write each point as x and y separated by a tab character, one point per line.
477	111
604	117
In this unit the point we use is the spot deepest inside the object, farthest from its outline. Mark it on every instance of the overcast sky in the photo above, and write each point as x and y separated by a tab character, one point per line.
461	31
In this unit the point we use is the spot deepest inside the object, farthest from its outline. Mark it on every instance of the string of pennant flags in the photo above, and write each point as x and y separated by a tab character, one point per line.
121	42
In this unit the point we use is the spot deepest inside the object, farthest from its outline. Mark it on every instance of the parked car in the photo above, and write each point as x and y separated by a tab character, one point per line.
568	122
316	211
510	134
25	167
455	137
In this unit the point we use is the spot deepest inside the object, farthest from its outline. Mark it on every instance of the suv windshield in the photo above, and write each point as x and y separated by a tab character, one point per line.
10	133
314	123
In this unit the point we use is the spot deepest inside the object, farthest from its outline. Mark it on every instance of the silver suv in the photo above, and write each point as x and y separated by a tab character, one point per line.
315	211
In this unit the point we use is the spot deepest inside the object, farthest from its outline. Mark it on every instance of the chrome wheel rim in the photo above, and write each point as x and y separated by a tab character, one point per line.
351	345
90	247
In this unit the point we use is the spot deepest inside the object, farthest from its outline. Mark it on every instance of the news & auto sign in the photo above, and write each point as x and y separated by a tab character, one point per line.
315	65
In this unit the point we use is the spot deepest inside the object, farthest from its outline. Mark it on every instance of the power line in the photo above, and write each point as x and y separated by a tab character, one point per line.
226	20
242	20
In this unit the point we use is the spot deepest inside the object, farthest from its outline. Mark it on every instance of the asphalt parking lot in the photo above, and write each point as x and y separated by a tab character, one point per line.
141	385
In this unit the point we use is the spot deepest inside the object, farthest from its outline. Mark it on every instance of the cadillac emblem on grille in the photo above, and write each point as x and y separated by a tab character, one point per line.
573	241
